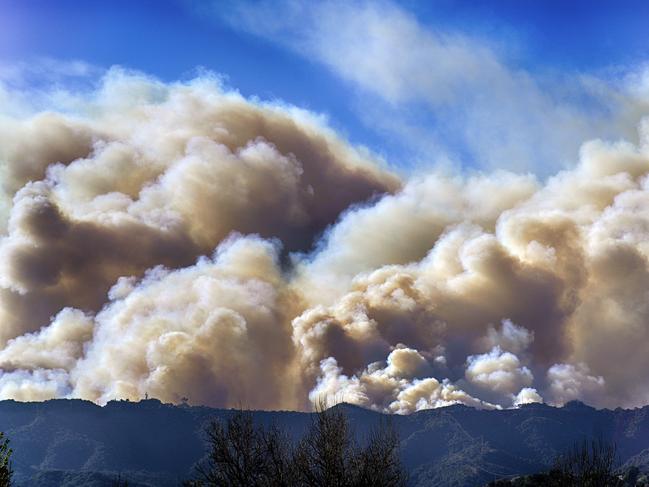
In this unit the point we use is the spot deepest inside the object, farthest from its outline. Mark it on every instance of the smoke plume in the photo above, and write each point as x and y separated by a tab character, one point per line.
181	241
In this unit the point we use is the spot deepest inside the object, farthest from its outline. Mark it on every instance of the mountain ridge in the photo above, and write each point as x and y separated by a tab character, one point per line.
150	443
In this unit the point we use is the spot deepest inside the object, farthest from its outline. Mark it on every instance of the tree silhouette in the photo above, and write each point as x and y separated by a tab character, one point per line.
378	464
325	456
590	463
241	454
120	482
328	455
279	467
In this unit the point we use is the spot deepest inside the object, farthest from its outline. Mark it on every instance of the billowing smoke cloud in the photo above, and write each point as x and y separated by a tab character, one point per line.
180	241
147	174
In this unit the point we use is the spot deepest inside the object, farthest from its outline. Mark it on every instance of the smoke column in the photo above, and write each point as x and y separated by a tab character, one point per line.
182	241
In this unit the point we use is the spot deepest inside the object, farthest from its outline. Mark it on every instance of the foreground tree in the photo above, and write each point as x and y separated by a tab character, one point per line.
589	464
328	455
6	471
325	455
586	464
379	464
241	454
120	482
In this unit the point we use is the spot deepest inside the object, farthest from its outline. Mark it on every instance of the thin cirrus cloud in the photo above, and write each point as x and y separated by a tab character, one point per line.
445	95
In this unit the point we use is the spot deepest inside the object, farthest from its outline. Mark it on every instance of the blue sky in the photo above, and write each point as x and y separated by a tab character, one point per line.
465	84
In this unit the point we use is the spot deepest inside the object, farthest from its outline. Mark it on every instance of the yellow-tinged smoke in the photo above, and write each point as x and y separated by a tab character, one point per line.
182	241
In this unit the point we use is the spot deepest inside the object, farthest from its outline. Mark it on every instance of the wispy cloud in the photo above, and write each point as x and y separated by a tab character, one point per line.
44	69
446	93
44	83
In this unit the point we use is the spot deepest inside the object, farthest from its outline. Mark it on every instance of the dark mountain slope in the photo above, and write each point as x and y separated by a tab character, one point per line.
72	442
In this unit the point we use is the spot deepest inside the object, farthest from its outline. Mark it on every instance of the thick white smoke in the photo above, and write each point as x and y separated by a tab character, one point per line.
182	241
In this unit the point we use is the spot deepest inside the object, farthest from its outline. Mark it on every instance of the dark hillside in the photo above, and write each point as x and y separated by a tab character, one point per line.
73	442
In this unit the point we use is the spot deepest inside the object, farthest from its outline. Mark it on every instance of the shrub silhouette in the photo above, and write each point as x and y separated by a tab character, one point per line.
241	454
